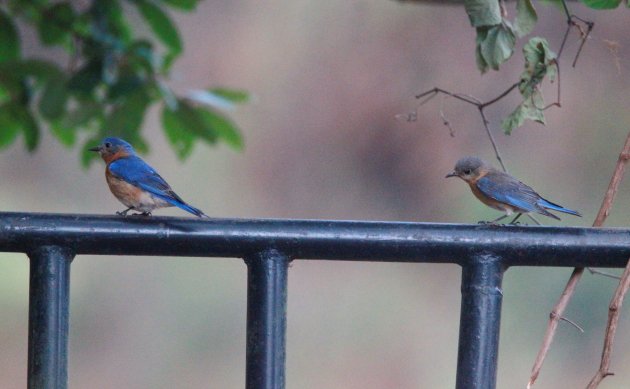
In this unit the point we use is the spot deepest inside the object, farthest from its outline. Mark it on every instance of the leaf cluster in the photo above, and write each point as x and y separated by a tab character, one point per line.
496	35
540	62
112	78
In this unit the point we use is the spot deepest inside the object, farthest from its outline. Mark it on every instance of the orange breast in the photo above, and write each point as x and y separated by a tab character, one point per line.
132	196
125	192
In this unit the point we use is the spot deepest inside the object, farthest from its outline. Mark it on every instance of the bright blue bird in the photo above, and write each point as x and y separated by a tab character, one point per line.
136	184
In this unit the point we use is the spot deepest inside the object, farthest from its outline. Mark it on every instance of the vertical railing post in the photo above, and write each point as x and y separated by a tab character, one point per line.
48	314
266	319
480	322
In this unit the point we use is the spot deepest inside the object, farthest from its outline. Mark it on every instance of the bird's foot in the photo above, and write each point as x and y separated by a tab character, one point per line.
491	223
124	213
142	214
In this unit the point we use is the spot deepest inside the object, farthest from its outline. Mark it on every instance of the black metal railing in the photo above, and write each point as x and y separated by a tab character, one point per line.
483	251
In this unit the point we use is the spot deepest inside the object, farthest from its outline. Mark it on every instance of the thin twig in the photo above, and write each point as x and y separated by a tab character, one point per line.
574	324
445	120
603	273
611	329
585	36
571	22
569	289
499	97
494	144
557	102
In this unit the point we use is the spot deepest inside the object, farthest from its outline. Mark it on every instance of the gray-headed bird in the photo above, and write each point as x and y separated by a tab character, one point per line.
503	192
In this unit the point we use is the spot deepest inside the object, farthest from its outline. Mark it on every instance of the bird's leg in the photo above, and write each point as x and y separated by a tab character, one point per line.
124	213
516	218
145	213
494	221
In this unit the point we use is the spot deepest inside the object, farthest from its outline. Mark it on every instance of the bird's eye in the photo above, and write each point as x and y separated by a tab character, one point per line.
467	171
108	145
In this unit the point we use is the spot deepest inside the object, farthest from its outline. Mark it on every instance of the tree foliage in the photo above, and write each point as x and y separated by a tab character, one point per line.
495	42
112	77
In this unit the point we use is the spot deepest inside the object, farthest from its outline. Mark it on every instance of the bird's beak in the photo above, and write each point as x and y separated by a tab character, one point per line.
451	174
97	148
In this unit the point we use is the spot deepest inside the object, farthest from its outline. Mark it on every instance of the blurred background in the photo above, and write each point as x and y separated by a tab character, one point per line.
323	142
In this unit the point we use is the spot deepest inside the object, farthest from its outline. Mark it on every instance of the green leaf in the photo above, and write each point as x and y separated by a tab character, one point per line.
53	100
4	95
84	115
9	125
9	39
210	99
531	108
141	56
87	78
498	45
30	130
186	5
176	132
526	17
81	115
233	95
161	25
127	83
116	21
167	94
168	61
555	3
126	119
65	135
191	121
540	61
482	65
185	123
41	70
20	77
222	127
56	25
483	12
601	4
15	118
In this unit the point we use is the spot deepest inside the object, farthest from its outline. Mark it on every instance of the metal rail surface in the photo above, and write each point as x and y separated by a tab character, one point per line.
267	246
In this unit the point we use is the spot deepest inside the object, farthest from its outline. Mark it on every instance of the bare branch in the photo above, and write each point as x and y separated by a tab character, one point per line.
611	329
569	289
620	292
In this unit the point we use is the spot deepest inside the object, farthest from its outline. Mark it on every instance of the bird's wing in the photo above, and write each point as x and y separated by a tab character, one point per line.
506	189
138	173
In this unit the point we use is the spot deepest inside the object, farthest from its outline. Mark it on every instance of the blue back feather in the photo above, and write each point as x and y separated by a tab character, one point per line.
135	171
508	190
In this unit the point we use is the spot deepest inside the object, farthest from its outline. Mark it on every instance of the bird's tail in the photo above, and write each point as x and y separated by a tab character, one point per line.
549	205
189	208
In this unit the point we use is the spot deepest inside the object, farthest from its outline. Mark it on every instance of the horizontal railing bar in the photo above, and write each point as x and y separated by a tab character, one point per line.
317	239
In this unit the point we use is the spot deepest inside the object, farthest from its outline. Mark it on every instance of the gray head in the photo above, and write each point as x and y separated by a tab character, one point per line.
469	168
